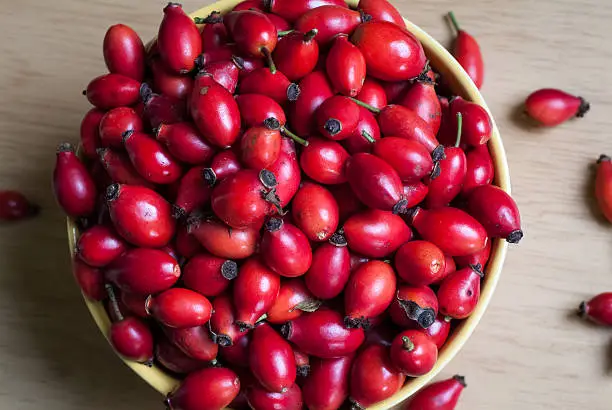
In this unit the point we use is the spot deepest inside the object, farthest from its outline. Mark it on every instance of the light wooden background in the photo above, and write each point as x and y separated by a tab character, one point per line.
529	351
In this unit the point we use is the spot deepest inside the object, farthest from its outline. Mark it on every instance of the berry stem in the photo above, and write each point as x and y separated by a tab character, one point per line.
459	127
269	60
364	105
407	344
113	301
293	136
368	137
453	20
310	35
284	33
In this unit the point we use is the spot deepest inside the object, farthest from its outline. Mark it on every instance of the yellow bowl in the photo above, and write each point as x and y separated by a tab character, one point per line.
461	84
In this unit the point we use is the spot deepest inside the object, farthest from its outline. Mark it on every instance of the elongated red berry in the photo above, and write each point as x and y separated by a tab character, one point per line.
598	309
551	107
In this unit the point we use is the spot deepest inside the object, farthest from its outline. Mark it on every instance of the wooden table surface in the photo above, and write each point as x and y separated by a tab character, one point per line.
529	352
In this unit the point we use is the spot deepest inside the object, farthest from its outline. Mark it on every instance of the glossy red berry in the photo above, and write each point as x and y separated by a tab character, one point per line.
420	263
222	240
296	54
375	182
115	123
195	342
442	395
323	334
211	388
255	109
140	215
15	206
260	145
454	231
89	279
376	233
193	193
598	309
414	307
214	33
481	257
224	72
144	271
74	188
260	398
324	161
373	93
479	169
446	182
381	10
179	307
169	83
438	331
369	292
552	107
151	159
275	85
124	52
112	90
162	109
314	90
373	376
603	186
329	21
252	31
185	143
337	118
90	132
255	291
410	159
327	385
415	193
293	299
214	111
459	292
496	211
287	171
242	199
285	249
422	99
120	169
291	10
476	126
346	66
271	359
178	40
223	322
467	52
131	337
365	134
315	212
99	245
208	274
413	353
222	165
330	268
391	52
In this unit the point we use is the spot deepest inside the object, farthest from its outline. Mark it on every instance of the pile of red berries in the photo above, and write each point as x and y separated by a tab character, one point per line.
278	205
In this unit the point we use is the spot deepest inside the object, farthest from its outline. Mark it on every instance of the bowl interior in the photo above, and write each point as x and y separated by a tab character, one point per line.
461	85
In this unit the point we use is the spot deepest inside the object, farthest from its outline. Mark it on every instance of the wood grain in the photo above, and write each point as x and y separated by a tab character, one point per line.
528	352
